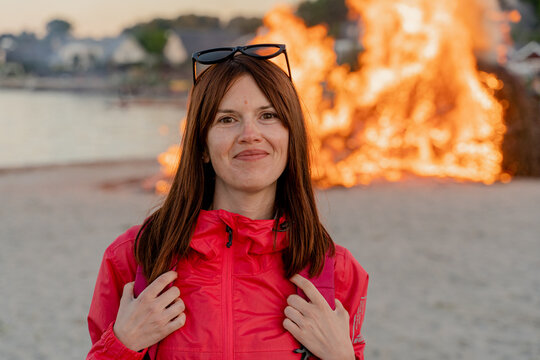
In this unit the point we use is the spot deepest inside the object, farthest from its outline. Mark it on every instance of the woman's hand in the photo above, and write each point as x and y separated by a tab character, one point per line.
149	318
325	332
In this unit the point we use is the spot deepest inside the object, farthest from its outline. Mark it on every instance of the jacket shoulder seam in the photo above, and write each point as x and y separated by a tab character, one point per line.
120	242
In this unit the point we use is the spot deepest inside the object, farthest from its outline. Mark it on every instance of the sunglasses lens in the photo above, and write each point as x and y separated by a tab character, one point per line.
213	56
264	51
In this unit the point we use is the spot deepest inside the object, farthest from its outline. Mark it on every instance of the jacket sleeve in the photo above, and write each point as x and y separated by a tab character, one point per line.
351	282
117	268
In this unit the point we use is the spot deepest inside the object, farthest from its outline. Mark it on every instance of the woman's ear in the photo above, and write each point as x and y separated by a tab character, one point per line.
205	157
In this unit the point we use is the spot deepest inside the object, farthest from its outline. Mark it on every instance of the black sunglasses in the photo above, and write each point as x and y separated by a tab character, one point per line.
217	55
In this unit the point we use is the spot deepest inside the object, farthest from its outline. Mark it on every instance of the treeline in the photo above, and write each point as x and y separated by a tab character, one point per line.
528	27
152	35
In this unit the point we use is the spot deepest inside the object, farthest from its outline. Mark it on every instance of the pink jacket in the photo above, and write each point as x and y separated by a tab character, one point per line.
234	296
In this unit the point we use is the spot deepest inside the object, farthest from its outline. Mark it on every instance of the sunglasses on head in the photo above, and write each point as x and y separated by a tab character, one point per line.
217	55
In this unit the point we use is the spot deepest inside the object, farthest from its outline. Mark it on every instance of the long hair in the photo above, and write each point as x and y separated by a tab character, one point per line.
166	234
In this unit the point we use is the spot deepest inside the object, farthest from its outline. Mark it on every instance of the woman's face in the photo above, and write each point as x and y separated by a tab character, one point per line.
246	143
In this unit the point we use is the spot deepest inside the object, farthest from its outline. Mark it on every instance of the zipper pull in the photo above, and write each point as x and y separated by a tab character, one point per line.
306	354
229	231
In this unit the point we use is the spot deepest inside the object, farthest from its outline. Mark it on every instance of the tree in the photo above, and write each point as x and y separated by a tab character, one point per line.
330	12
160	23
58	27
528	28
151	35
535	4
244	25
197	22
152	38
26	37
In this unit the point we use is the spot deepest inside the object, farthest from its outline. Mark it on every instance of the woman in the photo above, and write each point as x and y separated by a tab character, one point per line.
238	225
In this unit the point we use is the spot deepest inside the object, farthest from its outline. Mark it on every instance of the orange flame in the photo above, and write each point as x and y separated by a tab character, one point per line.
416	105
514	16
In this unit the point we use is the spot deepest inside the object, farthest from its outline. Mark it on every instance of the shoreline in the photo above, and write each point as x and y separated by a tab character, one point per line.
89	164
173	92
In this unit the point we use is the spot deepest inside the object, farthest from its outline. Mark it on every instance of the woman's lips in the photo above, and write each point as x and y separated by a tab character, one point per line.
250	155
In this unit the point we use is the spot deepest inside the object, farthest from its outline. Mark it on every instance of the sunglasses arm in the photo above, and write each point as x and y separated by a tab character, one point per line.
288	66
194	65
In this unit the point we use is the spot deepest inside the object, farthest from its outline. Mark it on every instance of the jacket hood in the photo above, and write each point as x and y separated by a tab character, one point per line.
254	236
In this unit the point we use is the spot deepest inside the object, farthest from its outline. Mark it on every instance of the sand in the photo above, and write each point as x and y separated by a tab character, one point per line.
454	268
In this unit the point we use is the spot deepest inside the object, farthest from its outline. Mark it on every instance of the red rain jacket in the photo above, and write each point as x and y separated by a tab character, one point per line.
234	296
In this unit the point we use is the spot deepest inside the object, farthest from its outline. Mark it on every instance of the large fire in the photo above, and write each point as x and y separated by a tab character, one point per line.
416	105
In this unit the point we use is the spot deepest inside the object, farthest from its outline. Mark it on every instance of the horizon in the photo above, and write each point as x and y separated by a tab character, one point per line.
102	18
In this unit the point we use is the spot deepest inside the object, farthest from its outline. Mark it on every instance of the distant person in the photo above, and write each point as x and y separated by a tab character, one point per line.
214	272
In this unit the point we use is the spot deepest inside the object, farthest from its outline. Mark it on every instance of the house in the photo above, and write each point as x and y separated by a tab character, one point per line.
174	51
78	55
530	51
33	54
88	54
526	61
181	43
122	51
7	43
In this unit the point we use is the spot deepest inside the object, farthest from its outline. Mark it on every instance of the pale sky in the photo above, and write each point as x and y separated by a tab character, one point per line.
109	17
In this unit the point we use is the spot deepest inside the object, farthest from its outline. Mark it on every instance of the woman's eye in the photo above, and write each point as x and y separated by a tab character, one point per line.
225	120
269	115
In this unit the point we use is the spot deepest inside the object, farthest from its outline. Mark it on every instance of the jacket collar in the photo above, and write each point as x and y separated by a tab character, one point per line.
255	236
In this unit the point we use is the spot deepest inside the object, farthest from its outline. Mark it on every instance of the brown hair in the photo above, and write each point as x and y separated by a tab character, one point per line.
167	232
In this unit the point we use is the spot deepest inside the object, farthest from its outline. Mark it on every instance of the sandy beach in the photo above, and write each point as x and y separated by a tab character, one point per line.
454	267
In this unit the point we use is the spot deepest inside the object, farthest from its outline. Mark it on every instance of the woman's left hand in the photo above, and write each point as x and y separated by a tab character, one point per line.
325	332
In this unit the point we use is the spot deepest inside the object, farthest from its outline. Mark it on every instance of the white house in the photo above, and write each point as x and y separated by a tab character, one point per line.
86	54
81	54
123	50
174	51
526	61
7	43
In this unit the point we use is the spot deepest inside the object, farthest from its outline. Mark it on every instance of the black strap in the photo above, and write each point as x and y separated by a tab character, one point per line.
306	354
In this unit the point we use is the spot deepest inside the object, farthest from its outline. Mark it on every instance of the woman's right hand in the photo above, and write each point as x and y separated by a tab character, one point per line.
149	318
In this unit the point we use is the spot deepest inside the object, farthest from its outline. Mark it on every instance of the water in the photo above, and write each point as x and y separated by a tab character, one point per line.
45	128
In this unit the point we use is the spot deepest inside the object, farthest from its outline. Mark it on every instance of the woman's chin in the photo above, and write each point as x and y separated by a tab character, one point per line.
248	181
254	187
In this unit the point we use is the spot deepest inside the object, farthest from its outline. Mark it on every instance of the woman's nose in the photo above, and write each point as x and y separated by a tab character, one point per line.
250	132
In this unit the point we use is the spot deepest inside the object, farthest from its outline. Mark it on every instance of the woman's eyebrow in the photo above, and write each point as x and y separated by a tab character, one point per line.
229	111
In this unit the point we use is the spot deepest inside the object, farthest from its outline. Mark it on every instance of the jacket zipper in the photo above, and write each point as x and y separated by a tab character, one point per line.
229	348
229	231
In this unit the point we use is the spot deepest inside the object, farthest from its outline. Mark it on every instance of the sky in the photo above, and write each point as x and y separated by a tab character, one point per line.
108	17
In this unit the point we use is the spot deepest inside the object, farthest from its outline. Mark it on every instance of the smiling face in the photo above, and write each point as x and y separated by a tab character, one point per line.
247	143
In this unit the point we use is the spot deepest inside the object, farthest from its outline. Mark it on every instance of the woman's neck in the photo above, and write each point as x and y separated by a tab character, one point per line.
254	205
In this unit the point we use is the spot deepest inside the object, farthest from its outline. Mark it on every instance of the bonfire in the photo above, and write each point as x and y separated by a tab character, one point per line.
415	105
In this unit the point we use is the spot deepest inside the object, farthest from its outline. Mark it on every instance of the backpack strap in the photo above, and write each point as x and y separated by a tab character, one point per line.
140	284
324	282
140	281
